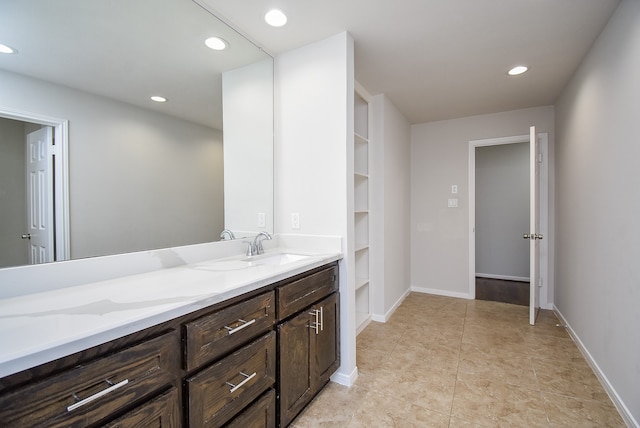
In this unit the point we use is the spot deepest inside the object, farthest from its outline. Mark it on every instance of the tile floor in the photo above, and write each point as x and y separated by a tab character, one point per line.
446	362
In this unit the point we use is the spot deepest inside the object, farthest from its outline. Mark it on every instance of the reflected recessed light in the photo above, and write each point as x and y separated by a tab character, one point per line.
517	70
275	18
7	49
216	43
159	99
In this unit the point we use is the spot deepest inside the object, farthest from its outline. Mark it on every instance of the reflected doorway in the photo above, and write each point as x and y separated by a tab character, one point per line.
33	189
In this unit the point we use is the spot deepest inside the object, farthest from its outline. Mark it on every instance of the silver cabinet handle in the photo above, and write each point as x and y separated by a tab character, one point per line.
315	325
234	388
97	395
240	327
321	318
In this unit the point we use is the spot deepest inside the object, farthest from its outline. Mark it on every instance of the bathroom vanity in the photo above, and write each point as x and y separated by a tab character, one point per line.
248	347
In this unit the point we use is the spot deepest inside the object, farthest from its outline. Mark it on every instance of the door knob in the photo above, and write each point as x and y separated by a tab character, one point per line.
26	236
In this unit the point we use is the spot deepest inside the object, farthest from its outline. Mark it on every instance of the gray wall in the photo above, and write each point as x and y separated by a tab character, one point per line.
440	158
13	205
598	203
138	179
502	210
389	153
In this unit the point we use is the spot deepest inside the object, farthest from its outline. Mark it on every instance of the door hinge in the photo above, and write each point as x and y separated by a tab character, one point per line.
540	282
539	157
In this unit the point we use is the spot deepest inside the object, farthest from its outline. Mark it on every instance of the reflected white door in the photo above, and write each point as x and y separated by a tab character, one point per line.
534	226
40	196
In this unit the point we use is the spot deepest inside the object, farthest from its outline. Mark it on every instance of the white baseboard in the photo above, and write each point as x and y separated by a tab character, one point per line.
504	277
346	379
396	305
615	398
438	292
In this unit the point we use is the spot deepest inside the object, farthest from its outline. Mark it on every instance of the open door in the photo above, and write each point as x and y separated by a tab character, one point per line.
40	196
534	226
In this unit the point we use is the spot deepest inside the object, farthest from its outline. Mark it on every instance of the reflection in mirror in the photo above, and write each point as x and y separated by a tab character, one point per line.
139	174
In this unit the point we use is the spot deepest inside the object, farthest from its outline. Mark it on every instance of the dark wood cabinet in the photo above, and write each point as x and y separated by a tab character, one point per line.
90	393
220	366
308	348
222	390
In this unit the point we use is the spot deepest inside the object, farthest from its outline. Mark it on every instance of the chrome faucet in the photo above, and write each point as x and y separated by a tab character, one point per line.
227	234
255	247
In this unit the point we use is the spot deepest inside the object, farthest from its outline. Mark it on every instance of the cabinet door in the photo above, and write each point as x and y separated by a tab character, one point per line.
327	347
295	379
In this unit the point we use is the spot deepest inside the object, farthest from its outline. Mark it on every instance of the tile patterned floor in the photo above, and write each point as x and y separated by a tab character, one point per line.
446	362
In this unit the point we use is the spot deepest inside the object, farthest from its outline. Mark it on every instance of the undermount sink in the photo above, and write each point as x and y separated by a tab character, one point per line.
276	259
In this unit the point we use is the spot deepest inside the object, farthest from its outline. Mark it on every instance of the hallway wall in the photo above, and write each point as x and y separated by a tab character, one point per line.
597	152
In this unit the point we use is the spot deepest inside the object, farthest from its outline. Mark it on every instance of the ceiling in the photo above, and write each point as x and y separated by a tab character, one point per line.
149	47
441	59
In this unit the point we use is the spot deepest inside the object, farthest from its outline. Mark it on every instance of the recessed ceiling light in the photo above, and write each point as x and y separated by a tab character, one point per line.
7	49
275	18
216	43
517	70
159	99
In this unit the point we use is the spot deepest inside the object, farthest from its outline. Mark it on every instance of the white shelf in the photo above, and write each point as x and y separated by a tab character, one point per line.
360	139
361	246
361	282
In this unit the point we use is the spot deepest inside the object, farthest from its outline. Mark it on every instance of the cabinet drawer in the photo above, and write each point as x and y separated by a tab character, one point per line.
297	295
89	393
261	414
219	392
214	335
162	412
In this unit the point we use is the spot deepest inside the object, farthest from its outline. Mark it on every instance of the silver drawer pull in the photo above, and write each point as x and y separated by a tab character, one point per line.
234	388
97	395
240	327
321	318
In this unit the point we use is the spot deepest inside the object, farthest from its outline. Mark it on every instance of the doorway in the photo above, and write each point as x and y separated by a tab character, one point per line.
57	183
517	259
502	214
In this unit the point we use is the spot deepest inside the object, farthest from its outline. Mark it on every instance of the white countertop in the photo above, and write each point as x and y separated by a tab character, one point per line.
41	327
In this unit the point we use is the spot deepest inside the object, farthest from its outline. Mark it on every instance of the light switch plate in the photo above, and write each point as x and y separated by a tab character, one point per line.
454	188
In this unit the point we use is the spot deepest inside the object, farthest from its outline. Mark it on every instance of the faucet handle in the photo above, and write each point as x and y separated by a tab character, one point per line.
250	248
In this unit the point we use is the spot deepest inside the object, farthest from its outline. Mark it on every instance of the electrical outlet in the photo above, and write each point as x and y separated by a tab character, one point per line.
453	203
262	220
295	220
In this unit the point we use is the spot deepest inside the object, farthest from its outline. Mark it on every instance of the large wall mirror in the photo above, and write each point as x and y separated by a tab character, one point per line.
119	172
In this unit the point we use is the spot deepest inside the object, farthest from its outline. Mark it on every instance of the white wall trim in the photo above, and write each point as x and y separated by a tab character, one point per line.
446	293
505	277
396	305
615	398
60	175
346	379
545	301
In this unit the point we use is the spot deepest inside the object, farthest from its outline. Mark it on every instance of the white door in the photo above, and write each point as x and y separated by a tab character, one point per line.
534	226
40	196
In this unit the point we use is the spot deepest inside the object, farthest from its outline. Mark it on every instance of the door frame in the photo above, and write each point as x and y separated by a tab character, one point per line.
60	154
544	209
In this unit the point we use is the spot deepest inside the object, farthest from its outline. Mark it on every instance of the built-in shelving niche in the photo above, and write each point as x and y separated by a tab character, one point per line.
361	215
